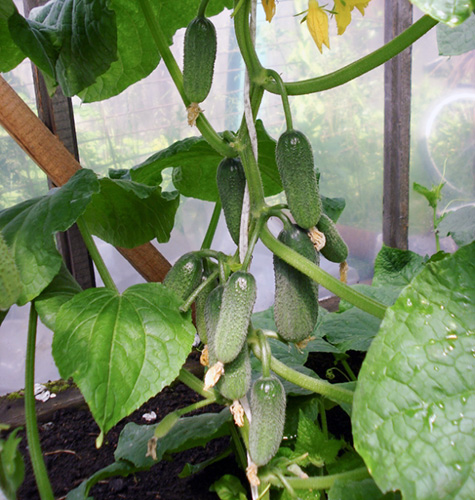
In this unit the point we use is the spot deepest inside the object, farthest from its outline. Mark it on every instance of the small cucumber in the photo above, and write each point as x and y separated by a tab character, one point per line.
185	275
296	295
294	159
236	380
267	419
335	248
231	184
200	303
198	58
239	296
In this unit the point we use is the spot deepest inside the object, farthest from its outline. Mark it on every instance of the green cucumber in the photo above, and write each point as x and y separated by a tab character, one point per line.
239	296
267	419
236	380
200	304
335	249
198	58
296	295
294	159
212	311
185	275
231	183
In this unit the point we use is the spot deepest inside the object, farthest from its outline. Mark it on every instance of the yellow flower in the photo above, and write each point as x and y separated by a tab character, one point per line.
269	7
342	9
317	22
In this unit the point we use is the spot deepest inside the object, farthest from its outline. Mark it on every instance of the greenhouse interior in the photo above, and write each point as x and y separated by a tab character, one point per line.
235	242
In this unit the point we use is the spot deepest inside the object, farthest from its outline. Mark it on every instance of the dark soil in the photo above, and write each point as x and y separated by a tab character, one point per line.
68	443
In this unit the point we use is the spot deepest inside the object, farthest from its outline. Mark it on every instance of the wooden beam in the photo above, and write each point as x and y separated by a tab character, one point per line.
47	151
397	121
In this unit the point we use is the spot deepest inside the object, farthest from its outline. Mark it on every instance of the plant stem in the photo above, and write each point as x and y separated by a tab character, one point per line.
316	385
348	369
213	224
187	304
37	462
202	8
240	451
285	98
213	139
323	482
95	255
361	66
195	384
314	272
253	177
195	406
436	233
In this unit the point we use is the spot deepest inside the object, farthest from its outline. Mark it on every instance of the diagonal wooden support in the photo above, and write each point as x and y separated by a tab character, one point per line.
47	151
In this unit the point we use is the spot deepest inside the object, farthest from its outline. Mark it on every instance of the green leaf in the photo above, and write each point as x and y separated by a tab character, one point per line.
433	195
333	207
266	161
396	267
457	40
460	224
73	41
229	487
28	229
12	467
414	405
12	56
365	489
311	439
190	469
120	468
121	349
137	56
128	214
451	12
188	432
10	283
59	291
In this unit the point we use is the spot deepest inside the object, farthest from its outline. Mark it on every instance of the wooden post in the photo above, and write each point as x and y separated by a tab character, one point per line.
397	121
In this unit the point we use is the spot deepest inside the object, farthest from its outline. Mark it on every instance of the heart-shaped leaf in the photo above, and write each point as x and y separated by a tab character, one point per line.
414	405
28	229
121	349
451	12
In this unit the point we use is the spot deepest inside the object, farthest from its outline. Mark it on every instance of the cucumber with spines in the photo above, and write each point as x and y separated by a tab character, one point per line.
239	297
185	275
295	163
266	429
200	303
296	295
199	56
335	249
236	380
231	183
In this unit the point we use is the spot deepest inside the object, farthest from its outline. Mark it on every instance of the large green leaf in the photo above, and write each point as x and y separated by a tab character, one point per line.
460	224
73	41
28	229
414	405
137	56
451	12
12	467
121	349
457	40
229	487
10	283
12	56
127	214
59	291
188	432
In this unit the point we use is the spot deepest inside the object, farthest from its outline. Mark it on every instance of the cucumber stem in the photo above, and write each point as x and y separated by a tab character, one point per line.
202	8
285	98
195	384
36	456
360	66
213	224
95	255
211	136
317	274
319	386
322	482
192	297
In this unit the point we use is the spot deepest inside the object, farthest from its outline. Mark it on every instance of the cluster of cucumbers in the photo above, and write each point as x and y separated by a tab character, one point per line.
224	308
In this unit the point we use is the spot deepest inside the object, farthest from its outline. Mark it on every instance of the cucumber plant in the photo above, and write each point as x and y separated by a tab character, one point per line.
253	362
